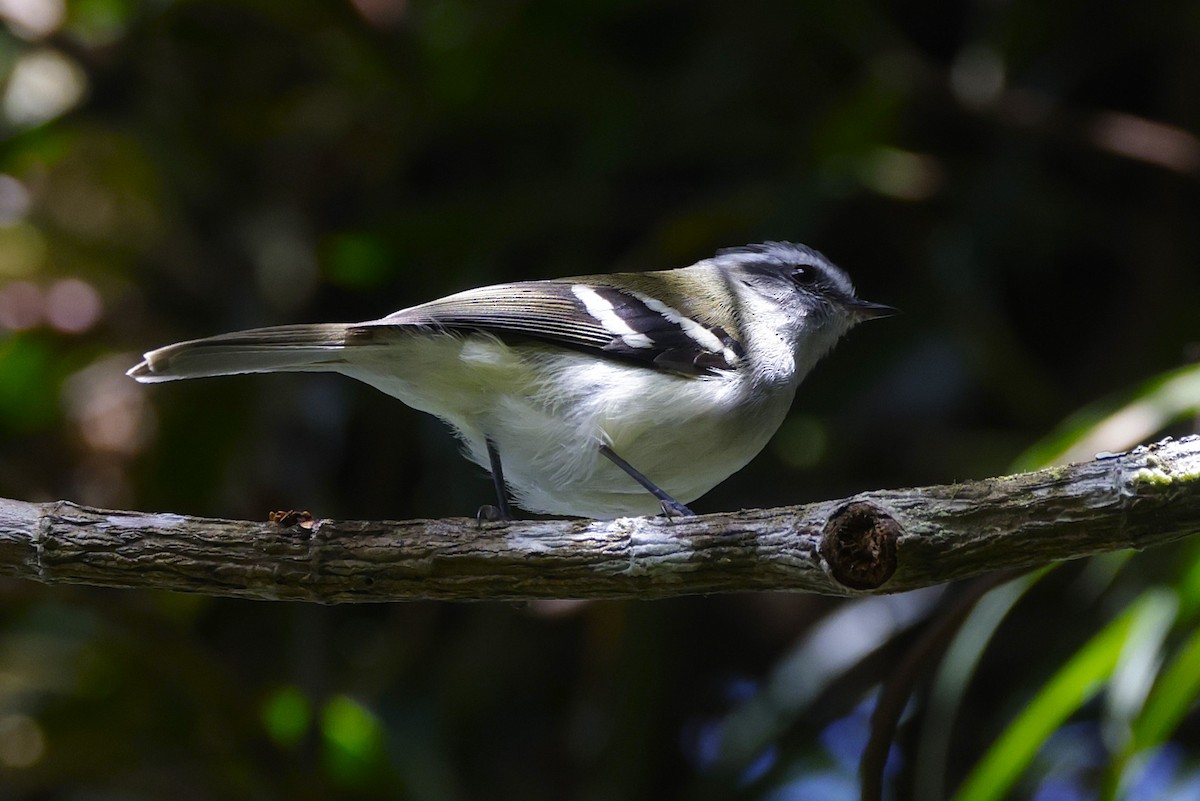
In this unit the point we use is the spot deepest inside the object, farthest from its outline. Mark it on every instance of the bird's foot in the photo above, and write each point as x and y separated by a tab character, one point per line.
492	514
673	508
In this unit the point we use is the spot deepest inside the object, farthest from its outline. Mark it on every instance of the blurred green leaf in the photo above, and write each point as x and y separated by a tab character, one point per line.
358	261
1074	684
1171	699
286	715
1138	667
22	250
1120	422
28	393
953	677
1188	583
99	22
354	740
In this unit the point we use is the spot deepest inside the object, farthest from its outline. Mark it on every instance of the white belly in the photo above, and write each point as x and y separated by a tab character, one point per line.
548	410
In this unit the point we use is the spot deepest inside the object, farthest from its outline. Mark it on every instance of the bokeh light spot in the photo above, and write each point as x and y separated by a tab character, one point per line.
33	19
21	305
801	442
286	715
358	261
72	305
22	250
22	742
353	740
110	411
350	726
14	200
977	76
43	84
901	174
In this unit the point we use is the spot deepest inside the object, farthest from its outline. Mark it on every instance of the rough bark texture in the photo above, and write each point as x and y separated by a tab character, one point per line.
886	541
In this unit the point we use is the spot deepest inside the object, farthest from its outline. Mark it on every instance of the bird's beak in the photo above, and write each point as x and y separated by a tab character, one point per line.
865	310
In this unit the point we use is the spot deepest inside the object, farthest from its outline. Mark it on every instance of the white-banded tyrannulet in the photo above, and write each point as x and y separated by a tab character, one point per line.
597	396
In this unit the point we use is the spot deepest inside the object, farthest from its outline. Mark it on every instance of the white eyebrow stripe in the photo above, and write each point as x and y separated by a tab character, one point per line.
603	311
699	334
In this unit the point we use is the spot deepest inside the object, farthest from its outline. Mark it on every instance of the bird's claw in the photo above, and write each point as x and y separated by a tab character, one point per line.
491	514
675	509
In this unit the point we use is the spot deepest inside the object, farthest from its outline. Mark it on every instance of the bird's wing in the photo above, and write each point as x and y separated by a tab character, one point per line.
583	314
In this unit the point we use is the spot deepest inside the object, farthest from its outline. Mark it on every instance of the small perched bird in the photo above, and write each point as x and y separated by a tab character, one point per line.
598	396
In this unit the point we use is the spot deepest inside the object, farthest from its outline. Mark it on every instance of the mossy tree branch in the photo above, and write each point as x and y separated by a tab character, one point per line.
877	542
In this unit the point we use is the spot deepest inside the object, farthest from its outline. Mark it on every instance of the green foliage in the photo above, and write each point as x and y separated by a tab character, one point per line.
1138	658
1060	697
353	740
287	715
28	395
1120	422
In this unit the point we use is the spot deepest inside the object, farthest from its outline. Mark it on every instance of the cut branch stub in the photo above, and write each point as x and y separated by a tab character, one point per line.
859	545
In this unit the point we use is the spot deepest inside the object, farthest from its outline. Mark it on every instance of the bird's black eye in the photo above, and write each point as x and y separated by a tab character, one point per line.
803	275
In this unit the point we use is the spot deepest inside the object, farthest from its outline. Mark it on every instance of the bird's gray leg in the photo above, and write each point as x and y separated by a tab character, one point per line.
501	511
670	506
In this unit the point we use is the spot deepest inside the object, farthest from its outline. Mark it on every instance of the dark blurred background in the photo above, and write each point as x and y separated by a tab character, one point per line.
1021	178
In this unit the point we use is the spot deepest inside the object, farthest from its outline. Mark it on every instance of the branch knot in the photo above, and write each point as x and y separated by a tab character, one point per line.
859	545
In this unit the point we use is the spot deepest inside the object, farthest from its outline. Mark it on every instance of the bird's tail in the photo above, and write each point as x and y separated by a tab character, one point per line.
285	348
